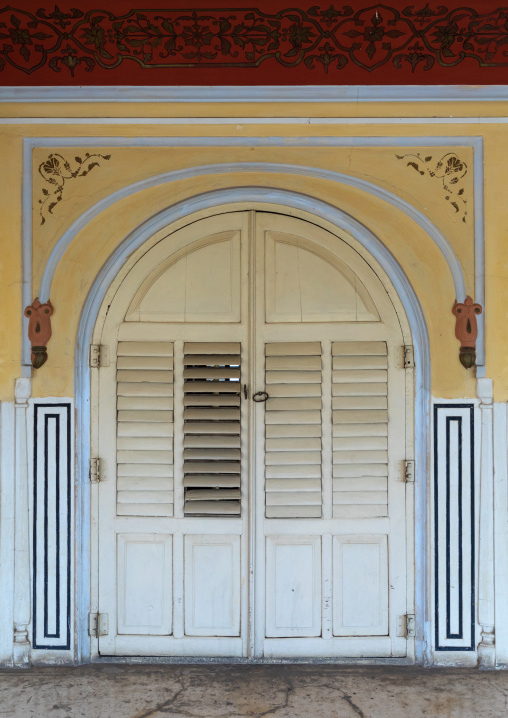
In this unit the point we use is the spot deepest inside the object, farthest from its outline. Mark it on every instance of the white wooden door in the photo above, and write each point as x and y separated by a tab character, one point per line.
252	436
331	561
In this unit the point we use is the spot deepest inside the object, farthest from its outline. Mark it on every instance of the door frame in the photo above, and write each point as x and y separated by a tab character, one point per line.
149	232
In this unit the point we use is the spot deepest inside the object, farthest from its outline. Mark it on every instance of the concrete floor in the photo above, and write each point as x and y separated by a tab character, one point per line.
283	691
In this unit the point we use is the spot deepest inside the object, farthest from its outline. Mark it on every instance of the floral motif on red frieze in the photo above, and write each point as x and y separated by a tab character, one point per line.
325	39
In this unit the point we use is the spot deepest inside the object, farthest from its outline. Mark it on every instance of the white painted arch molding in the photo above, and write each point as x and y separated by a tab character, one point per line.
278	198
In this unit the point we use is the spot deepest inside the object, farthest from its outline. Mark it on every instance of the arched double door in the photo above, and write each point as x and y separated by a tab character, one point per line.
252	424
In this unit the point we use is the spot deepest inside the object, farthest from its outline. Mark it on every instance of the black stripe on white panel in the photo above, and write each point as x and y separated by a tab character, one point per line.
454	527
52	509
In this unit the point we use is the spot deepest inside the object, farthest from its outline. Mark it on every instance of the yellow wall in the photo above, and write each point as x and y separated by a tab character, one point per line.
417	254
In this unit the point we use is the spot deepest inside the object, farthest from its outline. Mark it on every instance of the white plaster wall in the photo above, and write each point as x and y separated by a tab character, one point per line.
6	531
501	531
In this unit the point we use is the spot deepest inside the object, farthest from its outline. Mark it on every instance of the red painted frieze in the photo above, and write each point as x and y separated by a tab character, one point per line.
272	43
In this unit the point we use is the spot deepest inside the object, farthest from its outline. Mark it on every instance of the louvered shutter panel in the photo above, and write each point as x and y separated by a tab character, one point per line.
293	430
360	429
212	449
145	429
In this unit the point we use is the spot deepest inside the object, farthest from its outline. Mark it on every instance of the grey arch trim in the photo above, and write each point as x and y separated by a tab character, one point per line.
416	319
271	168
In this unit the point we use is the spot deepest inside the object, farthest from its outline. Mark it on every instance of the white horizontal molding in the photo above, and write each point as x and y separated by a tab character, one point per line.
263	93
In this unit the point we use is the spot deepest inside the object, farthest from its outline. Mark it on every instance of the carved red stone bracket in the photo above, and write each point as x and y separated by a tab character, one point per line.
39	330
466	330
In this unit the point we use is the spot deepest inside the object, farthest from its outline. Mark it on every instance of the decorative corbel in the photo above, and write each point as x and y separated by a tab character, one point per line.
466	330
39	330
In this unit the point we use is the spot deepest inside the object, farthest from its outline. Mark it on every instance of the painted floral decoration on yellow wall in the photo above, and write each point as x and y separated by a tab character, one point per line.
56	171
450	169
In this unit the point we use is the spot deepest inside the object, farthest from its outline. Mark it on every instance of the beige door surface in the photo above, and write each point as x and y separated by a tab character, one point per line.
252	428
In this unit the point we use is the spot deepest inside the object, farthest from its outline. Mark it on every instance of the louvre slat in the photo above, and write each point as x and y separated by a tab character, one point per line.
293	403
148	497
275	431
211	400
217	441
212	494
218	427
359	362
211	414
307	498
211	359
212	454
368	443
152	443
148	403
290	485
293	363
144	389
145	416
211	373
359	389
359	402
212	480
344	430
211	467
361	348
293	417
209	387
144	509
138	428
144	456
145	470
290	444
293	390
360	416
310	471
293	512
144	375
348	471
217	508
292	457
360	455
293	377
212	348
143	483
140	349
359	375
137	362
293	349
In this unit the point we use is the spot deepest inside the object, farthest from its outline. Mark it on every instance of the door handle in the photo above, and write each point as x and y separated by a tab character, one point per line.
260	396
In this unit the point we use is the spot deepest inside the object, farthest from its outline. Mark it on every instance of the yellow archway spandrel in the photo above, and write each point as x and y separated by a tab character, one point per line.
437	181
417	254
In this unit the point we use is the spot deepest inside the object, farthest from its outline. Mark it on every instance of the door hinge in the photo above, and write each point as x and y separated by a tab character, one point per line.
409	359
98	624
409	471
95	471
410	625
99	355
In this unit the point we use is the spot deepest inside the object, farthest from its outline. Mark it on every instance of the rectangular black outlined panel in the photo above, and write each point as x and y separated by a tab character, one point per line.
454	527
52	509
